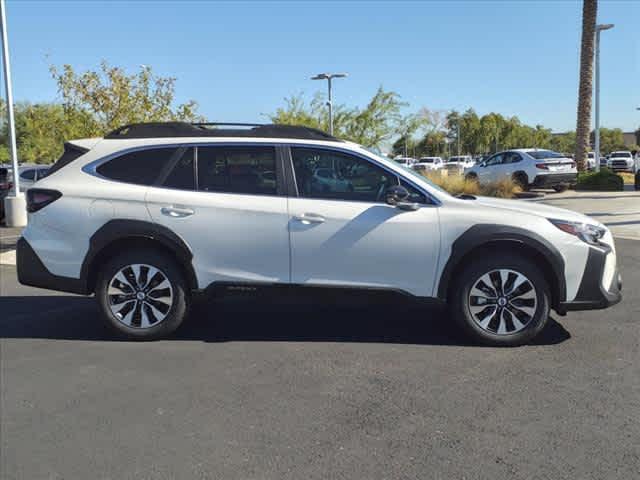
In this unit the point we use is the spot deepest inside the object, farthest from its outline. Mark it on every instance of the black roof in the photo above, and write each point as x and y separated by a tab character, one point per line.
184	129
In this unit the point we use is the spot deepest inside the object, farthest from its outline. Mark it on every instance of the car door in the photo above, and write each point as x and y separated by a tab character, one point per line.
511	163
491	168
352	237
226	203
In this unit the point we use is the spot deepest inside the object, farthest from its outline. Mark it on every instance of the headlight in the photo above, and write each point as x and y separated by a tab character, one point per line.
590	234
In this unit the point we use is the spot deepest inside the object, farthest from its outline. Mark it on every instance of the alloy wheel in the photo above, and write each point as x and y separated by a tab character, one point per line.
140	296
502	301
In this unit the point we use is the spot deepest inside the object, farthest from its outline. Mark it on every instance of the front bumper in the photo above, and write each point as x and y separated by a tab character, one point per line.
595	292
551	179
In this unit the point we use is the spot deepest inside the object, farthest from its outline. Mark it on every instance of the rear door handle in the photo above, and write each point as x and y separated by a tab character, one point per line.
177	212
308	218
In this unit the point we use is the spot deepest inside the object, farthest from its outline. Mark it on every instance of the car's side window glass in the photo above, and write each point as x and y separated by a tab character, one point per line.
228	169
512	157
495	160
183	173
415	195
28	174
141	167
339	176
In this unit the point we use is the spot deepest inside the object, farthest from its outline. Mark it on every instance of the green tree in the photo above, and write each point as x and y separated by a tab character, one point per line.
370	126
611	139
114	98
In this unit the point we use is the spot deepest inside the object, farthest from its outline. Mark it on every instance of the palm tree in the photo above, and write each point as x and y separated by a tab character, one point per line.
589	14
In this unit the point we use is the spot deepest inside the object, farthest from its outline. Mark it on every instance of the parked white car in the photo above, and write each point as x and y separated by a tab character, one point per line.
154	214
458	164
529	167
428	164
621	161
328	180
405	161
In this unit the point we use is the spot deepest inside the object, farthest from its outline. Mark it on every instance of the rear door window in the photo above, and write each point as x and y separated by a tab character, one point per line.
237	169
141	167
183	173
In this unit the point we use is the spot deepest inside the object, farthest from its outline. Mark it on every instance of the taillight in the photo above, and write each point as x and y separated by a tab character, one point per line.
38	198
542	166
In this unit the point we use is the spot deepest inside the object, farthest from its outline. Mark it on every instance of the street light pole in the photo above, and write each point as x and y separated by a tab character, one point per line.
15	206
328	77
599	28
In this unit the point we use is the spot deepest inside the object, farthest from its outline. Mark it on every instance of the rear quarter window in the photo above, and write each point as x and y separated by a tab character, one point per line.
141	167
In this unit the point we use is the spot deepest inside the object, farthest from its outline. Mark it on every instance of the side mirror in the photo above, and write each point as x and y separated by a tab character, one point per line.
398	196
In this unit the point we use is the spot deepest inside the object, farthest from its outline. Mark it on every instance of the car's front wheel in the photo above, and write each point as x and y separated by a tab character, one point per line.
142	294
501	300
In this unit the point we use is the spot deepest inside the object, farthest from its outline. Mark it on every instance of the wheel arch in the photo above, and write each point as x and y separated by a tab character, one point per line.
116	235
484	239
521	174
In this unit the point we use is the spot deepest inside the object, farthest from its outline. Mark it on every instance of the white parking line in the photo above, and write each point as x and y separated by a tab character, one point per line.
8	258
10	237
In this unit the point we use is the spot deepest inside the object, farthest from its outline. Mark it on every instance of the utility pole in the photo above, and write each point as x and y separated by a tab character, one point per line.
14	205
599	28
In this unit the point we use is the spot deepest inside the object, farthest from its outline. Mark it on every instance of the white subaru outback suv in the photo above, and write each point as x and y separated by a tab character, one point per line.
154	213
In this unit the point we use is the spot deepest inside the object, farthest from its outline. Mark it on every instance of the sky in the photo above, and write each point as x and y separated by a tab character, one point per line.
239	60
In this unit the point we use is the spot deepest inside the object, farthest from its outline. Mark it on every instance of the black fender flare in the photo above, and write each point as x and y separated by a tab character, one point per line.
482	235
121	229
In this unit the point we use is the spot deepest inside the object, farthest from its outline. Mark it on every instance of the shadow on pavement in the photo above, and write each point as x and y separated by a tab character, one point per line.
267	319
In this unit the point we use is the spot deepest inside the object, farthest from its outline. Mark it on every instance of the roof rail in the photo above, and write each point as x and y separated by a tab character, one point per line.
213	129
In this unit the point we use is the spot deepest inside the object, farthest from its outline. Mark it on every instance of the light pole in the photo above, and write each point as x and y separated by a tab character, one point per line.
328	77
14	204
599	28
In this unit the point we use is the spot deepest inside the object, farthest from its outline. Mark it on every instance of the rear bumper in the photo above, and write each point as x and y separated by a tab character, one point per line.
32	272
592	294
551	179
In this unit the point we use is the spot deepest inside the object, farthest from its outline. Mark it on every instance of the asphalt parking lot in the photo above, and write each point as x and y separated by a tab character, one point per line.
351	388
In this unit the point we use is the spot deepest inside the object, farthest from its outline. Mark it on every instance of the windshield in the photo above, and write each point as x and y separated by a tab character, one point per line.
543	154
426	160
621	154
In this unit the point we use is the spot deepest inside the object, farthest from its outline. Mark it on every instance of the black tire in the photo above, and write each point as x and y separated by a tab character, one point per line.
460	300
560	188
180	296
521	179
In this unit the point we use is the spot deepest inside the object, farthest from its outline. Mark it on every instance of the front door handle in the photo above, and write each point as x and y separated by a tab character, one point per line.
177	212
309	218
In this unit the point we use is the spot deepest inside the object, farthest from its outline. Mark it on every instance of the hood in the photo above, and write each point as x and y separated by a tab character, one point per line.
535	208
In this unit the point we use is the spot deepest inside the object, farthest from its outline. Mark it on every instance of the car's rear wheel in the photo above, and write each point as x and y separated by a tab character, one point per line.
561	188
142	294
521	179
501	300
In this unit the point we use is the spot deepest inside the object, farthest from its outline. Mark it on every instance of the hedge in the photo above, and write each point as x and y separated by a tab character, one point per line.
604	180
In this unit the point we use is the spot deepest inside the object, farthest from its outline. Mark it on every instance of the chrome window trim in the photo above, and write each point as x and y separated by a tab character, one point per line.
91	167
